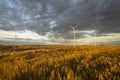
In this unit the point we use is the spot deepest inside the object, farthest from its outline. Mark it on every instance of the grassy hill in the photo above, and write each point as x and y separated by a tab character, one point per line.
59	63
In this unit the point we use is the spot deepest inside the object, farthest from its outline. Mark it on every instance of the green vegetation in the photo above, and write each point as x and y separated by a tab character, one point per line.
59	63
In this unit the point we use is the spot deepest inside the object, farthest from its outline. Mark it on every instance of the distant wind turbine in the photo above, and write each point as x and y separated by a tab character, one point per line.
74	34
95	38
14	44
15	38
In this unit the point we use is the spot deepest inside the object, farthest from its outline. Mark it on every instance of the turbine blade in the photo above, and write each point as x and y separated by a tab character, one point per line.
77	25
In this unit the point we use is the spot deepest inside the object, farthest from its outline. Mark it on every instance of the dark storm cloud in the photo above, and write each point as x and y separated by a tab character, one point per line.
43	15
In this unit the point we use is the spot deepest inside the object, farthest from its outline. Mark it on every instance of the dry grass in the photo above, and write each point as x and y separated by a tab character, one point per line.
59	63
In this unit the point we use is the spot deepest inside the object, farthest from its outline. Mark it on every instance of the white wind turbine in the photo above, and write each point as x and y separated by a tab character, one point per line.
15	37
95	38
74	34
14	44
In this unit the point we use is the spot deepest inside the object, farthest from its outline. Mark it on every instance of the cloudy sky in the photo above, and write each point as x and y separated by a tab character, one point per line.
48	22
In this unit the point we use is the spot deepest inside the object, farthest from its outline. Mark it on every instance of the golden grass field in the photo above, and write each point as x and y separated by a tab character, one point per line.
59	63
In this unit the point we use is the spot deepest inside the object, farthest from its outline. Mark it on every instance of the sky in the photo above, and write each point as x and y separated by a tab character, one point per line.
48	22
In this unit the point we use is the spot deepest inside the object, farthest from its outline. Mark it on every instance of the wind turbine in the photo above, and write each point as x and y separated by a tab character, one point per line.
15	38
74	34
95	38
14	44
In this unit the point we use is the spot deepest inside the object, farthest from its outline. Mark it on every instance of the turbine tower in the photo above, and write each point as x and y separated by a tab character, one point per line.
14	44
15	38
95	38
74	34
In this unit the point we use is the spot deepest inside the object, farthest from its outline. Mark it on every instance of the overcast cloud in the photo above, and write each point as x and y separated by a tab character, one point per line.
52	18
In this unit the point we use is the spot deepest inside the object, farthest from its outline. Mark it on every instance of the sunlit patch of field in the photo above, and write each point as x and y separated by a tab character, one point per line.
59	63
